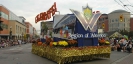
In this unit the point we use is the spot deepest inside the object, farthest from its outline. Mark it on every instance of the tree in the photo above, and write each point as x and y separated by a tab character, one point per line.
45	28
24	37
36	36
27	36
131	34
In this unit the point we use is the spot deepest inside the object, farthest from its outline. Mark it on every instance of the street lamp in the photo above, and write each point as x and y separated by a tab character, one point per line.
10	33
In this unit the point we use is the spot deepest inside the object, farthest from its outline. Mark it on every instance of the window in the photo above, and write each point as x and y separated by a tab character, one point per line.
6	26
3	15
16	29
0	14
106	18
116	20
103	19
20	29
112	20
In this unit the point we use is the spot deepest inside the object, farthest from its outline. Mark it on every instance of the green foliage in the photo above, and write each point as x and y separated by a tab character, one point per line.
36	36
27	36
50	34
45	28
129	34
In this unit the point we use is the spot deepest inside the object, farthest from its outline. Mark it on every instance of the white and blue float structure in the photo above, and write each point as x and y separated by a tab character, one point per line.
81	27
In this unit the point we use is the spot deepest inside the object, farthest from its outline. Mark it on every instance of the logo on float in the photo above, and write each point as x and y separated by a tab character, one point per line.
87	18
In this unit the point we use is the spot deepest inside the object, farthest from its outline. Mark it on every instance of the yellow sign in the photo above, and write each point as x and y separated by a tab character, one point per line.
88	13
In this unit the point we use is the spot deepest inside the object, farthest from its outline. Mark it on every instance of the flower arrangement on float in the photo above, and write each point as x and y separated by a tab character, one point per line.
59	44
72	43
70	54
102	42
68	50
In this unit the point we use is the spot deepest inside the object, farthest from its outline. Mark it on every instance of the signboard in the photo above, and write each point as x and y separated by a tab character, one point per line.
46	15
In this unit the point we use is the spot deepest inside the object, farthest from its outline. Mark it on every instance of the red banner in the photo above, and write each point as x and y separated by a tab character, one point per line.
46	15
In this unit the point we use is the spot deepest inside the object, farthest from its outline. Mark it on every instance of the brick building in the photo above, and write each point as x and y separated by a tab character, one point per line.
30	29
103	22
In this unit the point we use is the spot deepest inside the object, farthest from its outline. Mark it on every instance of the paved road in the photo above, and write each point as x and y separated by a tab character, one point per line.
23	55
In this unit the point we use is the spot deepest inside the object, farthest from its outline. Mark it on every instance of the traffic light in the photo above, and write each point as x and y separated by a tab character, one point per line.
121	18
1	29
103	25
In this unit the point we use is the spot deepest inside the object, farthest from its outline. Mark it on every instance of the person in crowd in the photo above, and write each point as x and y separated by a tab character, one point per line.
124	44
19	41
129	47
14	43
118	47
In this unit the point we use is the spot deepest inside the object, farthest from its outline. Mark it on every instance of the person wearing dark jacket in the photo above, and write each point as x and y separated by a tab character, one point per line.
129	47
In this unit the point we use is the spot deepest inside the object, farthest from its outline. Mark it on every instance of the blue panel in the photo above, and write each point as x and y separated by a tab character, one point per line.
95	40
88	42
81	42
43	40
56	39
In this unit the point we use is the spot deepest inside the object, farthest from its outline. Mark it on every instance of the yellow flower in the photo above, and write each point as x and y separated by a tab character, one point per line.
54	43
107	42
63	43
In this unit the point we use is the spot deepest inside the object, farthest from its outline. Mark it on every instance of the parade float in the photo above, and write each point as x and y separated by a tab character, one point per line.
74	37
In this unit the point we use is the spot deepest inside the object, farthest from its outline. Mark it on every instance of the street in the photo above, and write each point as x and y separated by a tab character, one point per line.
23	55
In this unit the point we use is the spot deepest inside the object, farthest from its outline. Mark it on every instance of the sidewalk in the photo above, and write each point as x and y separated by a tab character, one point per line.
12	46
125	60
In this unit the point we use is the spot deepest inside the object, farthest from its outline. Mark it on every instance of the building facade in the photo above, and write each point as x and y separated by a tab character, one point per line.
18	29
131	24
11	24
30	29
34	32
103	22
4	16
116	23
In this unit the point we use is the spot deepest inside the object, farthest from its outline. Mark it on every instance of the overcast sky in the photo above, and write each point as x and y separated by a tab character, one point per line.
30	8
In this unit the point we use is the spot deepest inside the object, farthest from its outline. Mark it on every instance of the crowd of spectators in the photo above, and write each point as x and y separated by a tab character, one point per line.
122	44
7	43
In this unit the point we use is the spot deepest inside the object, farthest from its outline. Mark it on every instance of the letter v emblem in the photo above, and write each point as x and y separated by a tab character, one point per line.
91	23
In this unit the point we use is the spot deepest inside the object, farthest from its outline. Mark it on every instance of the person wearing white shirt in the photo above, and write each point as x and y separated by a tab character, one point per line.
19	41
